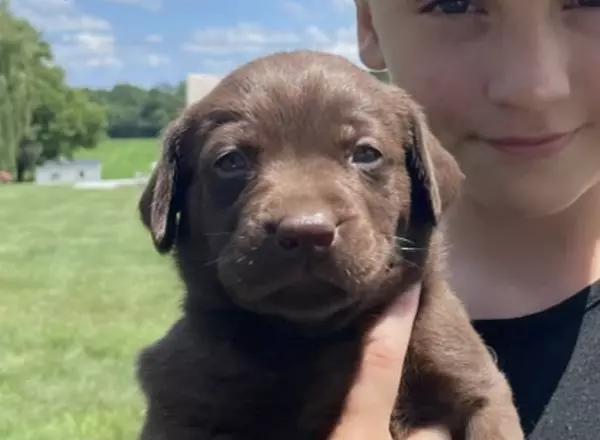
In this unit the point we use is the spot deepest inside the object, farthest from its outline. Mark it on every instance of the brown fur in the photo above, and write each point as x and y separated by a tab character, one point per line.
272	335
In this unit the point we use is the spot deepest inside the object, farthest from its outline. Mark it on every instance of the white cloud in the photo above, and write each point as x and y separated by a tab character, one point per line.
51	4
218	66
253	40
294	8
343	4
156	60
343	42
243	42
154	38
79	39
85	49
241	39
151	5
53	16
317	35
62	21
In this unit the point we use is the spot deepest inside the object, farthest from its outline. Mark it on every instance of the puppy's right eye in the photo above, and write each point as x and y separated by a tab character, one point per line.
366	156
232	163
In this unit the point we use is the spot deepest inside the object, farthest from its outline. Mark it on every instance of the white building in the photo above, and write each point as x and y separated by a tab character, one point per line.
68	171
199	85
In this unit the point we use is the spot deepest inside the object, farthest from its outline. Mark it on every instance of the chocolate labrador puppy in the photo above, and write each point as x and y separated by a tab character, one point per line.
301	197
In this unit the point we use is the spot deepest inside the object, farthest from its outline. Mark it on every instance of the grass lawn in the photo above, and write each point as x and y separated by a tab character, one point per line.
121	158
82	290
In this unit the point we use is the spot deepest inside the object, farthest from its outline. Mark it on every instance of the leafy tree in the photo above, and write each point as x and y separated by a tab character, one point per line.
41	117
22	55
66	118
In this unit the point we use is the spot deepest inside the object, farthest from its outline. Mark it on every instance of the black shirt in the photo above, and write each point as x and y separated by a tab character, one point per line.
552	361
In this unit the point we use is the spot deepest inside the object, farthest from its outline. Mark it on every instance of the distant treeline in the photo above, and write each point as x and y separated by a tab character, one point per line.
135	112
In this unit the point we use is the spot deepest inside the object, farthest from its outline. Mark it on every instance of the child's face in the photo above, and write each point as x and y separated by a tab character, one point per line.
497	77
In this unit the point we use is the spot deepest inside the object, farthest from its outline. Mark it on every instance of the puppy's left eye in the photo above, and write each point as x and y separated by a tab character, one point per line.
232	164
366	155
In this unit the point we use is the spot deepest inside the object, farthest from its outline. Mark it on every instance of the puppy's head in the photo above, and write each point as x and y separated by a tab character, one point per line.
301	183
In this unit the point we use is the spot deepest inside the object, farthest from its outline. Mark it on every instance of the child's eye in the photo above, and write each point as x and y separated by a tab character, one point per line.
451	7
468	6
572	4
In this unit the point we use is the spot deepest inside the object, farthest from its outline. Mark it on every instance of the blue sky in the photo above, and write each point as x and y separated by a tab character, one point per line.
102	42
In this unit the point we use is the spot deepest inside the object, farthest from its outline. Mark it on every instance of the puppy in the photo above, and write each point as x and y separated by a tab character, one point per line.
300	198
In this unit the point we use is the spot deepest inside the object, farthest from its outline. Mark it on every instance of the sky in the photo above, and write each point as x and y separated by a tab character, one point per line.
148	42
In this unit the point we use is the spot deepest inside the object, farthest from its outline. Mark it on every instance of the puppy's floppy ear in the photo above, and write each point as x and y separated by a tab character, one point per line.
434	174
162	198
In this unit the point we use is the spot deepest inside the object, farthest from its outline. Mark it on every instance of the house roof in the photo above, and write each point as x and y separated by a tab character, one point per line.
70	163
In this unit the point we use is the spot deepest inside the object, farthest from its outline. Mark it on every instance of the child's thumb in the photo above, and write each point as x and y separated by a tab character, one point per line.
371	400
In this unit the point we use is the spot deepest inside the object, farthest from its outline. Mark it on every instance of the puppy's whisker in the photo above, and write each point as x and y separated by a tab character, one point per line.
210	263
213	262
411	249
223	234
410	263
222	260
400	239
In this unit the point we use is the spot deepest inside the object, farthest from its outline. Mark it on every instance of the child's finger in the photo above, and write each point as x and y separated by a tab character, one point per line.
372	397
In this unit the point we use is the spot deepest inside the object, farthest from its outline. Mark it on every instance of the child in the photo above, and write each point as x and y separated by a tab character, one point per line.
512	89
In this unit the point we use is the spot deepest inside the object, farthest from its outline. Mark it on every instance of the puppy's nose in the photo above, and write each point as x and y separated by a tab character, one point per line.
309	230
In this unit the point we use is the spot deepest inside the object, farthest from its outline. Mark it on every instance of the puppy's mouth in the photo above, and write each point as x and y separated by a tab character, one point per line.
304	283
309	299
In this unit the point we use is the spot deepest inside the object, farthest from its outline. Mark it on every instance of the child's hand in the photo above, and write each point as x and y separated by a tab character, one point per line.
371	400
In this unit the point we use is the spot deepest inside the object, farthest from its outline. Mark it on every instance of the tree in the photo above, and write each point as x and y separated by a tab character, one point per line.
41	117
22	55
66	118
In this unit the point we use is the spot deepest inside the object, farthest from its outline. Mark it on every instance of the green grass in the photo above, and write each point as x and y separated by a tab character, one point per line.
122	158
81	290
